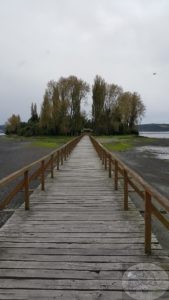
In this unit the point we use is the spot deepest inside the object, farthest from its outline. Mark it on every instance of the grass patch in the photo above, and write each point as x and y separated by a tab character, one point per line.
45	144
50	142
124	142
118	146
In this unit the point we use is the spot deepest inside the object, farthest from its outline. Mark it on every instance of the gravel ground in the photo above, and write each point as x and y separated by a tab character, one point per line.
15	154
147	164
156	172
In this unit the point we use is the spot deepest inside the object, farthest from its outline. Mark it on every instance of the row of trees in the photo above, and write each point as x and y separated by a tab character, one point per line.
61	108
113	111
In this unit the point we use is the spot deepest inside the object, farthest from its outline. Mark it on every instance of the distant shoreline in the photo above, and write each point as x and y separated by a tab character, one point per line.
153	127
155	134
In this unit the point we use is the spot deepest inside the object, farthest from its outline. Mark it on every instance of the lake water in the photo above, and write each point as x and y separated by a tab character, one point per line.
162	135
156	151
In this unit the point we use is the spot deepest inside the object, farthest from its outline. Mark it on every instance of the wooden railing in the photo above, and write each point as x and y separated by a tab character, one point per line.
34	171
152	198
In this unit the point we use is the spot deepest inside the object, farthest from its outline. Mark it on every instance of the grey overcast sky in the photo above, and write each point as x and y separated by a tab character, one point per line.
125	41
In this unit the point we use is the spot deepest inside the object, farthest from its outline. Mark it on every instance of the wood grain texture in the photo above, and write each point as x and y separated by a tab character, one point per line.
76	241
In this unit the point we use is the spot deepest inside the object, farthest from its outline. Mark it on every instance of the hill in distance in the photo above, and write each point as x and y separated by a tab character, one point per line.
153	127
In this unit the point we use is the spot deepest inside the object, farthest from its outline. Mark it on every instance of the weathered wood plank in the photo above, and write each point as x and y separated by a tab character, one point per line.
70	245
74	240
73	234
20	294
86	251
68	284
96	274
78	266
16	294
84	258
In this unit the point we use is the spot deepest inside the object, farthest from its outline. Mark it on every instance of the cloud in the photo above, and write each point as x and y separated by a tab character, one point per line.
125	41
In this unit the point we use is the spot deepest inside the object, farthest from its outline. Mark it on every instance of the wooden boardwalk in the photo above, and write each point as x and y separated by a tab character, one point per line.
76	241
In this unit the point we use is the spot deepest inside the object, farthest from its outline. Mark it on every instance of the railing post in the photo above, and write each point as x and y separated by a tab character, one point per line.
125	190
58	159
26	185
147	217
67	151
61	156
103	157
109	166
100	153
70	148
116	175
42	175
64	151
52	166
97	150
105	161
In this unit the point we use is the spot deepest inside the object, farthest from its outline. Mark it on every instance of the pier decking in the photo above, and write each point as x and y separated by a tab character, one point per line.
76	241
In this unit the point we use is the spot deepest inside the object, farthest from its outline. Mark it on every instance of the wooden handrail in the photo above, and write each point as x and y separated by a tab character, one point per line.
56	157
141	187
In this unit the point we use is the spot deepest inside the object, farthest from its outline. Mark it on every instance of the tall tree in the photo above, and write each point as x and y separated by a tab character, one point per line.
45	115
113	92
69	93
137	110
13	124
99	95
64	110
34	114
78	90
54	99
131	109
